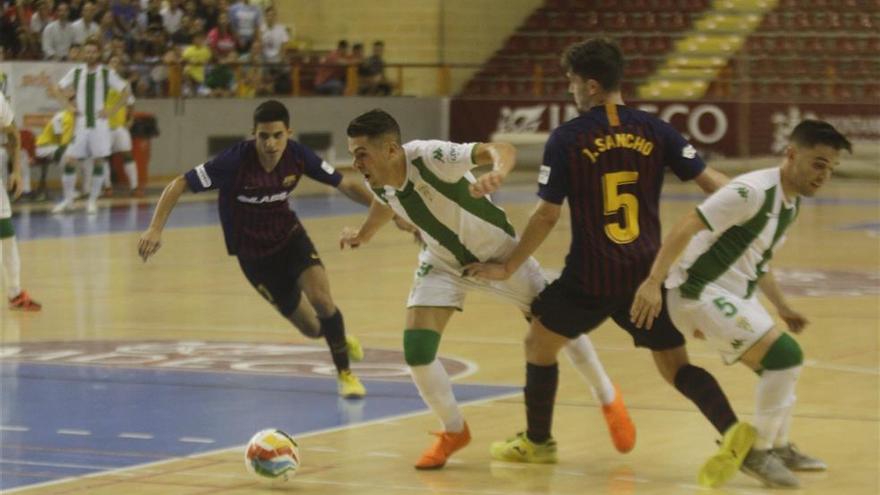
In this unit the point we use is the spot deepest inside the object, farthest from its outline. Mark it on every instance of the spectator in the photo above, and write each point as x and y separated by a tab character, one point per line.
190	8
254	79
220	78
208	11
274	37
172	16
126	14
151	18
183	35
245	19
330	77
85	27
58	35
74	8
142	84
12	25
195	56
41	18
372	73
108	29
221	39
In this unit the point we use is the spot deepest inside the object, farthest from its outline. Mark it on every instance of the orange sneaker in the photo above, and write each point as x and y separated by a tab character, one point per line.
620	426
23	302
446	443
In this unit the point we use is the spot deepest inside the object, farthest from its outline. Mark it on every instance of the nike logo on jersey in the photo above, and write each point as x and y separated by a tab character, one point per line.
256	200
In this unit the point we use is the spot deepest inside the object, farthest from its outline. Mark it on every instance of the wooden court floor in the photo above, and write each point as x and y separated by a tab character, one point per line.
95	288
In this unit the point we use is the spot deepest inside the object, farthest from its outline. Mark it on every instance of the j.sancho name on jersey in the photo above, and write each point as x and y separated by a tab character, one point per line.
257	200
618	140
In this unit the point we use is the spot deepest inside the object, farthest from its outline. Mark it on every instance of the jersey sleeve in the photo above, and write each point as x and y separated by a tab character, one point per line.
731	205
216	172
318	169
450	161
552	174
680	155
6	113
116	82
67	80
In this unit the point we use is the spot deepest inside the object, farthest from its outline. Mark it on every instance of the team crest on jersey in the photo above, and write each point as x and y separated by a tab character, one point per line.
743	192
438	154
689	152
289	180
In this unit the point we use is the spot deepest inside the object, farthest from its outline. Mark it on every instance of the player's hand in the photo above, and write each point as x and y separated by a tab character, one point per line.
486	184
408	227
149	243
795	321
351	237
16	185
488	271
647	304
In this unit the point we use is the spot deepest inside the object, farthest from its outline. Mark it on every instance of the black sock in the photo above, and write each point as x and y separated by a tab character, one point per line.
334	333
540	392
702	389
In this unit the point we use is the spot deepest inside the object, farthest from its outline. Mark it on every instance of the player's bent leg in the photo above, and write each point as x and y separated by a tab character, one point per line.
421	340
583	356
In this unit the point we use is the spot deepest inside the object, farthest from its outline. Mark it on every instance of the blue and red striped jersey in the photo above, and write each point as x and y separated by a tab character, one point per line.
609	163
256	217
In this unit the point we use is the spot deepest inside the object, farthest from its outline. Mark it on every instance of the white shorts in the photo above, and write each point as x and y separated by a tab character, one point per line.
121	140
5	206
436	285
91	142
732	325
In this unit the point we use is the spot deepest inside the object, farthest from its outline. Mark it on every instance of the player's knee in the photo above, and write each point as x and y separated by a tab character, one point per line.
323	305
783	354
69	169
420	346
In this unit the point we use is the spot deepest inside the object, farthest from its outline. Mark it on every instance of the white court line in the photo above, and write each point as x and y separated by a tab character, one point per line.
321	449
136	436
90	467
195	440
79	433
14	428
124	470
390	455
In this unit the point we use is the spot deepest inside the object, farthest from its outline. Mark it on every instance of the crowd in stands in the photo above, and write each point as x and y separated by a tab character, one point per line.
225	48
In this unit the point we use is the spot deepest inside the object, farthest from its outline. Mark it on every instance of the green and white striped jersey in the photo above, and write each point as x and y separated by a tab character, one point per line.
91	89
457	228
747	220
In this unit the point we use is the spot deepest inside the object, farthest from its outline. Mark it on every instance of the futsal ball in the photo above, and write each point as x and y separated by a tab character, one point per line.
272	454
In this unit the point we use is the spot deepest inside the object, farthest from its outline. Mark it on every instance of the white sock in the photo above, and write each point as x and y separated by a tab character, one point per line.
68	184
132	174
88	167
11	266
781	439
773	402
25	173
583	356
107	175
436	390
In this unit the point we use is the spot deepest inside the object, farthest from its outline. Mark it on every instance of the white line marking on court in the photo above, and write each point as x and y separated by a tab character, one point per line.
81	433
55	464
322	449
634	479
391	455
570	473
122	471
195	440
136	436
14	428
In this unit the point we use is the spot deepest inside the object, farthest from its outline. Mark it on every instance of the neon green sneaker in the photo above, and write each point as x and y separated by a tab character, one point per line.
735	446
350	387
355	351
521	449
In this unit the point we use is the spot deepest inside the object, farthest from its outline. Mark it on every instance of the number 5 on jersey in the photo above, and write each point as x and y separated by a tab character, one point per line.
614	200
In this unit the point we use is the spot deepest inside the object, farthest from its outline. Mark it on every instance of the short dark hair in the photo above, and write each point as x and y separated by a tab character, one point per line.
373	124
599	59
810	133
271	111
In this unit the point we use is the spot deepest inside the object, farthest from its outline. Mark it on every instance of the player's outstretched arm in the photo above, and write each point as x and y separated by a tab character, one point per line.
711	180
502	156
795	320
540	225
378	216
355	190
648	299
150	240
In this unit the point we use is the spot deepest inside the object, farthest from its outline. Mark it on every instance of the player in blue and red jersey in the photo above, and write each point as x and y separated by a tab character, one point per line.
255	178
609	163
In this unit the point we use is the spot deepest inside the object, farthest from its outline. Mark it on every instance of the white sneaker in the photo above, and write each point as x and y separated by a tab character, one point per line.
766	467
796	460
62	207
92	208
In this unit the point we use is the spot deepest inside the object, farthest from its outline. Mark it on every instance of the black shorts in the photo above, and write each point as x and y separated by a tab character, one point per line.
275	276
565	310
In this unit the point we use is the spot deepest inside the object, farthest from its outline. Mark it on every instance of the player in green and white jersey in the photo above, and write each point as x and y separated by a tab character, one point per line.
429	184
727	244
